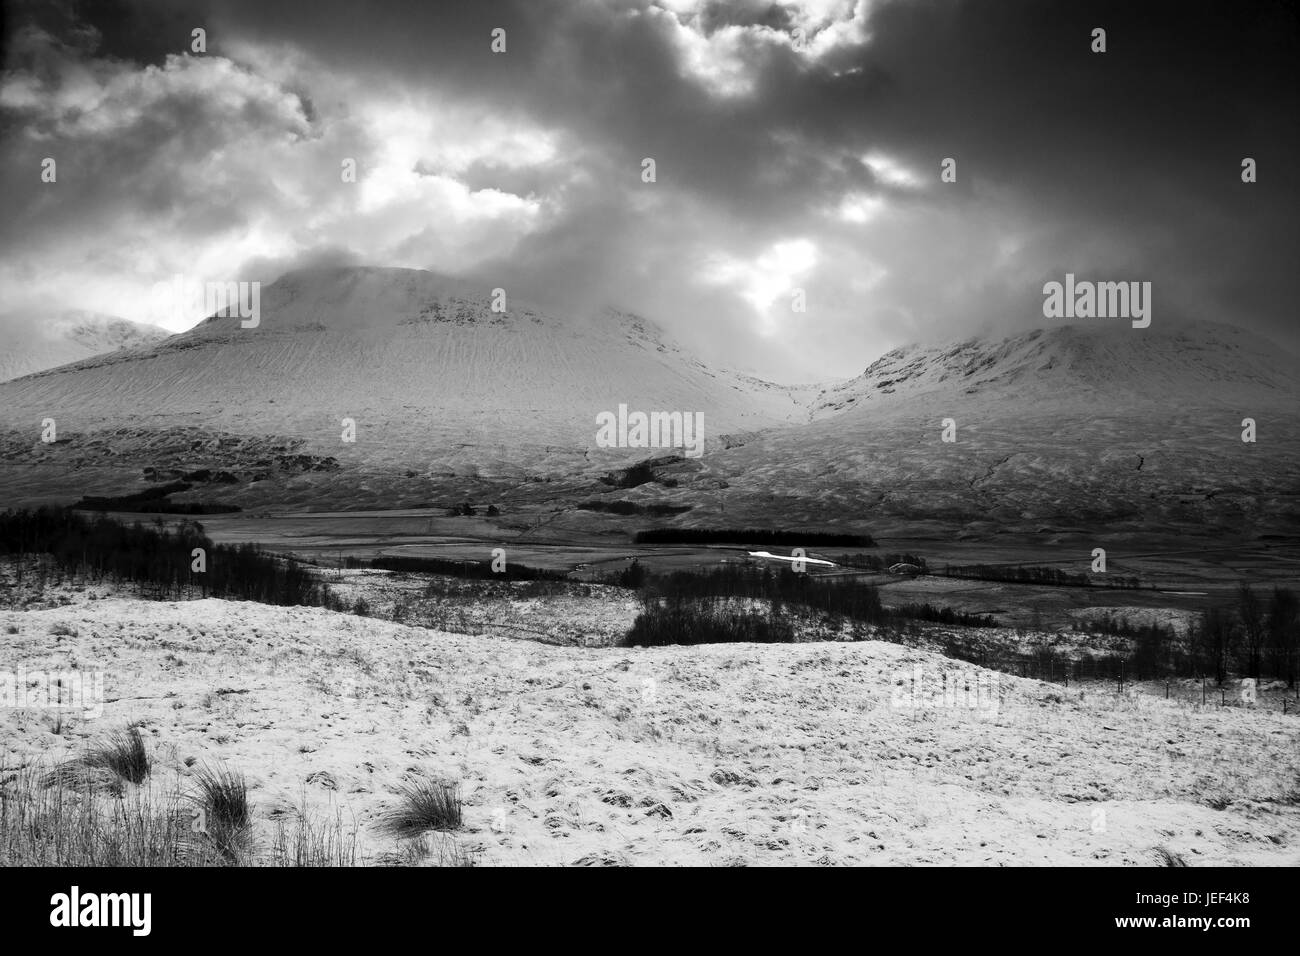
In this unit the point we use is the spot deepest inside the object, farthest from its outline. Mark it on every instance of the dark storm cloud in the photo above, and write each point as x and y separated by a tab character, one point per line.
822	163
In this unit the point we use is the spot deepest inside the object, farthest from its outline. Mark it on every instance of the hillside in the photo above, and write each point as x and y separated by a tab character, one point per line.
1072	427
28	346
435	381
717	755
1083	363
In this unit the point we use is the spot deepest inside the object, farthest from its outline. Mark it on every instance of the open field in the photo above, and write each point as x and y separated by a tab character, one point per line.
1181	575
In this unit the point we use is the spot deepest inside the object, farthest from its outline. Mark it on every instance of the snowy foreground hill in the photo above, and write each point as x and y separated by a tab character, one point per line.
728	754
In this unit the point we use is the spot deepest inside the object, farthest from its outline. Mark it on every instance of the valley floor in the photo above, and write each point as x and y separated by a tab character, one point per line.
811	753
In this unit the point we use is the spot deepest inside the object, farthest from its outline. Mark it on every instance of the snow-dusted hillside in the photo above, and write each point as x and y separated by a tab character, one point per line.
1077	426
28	346
1080	364
422	365
790	754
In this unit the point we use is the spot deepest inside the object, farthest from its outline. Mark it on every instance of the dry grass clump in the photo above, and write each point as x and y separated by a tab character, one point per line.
60	818
119	758
423	804
222	817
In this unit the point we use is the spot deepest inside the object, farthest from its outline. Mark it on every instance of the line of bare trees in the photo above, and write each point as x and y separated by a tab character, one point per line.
1258	635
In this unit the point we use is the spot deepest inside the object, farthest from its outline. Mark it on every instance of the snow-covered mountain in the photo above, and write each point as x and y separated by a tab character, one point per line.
1078	425
28	346
1083	362
1073	426
433	379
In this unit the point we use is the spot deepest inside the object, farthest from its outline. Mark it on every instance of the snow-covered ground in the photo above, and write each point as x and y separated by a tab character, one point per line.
814	753
33	345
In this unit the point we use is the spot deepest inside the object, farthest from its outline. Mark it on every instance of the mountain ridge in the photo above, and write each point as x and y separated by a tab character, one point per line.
439	391
34	346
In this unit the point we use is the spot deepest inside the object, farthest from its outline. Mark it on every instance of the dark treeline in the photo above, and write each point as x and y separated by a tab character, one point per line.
1257	635
1054	577
632	508
751	536
1044	663
157	558
695	607
477	570
942	615
660	625
154	500
841	597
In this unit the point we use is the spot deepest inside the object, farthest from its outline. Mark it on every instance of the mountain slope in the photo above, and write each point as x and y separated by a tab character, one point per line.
1083	426
432	377
1092	362
1078	426
28	346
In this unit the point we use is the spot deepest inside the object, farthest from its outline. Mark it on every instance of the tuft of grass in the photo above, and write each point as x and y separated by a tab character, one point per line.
225	816
1169	858
313	842
58	819
124	753
423	805
152	825
119	757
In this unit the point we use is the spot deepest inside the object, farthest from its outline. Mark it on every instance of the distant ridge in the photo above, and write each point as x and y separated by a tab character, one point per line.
31	345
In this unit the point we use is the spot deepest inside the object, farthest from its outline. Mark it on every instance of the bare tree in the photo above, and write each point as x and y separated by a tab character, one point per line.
1251	613
1213	639
1283	626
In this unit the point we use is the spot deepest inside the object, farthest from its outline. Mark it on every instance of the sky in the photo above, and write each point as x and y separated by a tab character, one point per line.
798	149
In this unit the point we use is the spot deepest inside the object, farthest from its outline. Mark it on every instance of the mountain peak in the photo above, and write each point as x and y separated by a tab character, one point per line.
365	298
1098	359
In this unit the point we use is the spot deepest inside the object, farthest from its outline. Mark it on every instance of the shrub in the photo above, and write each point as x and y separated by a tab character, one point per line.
678	622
